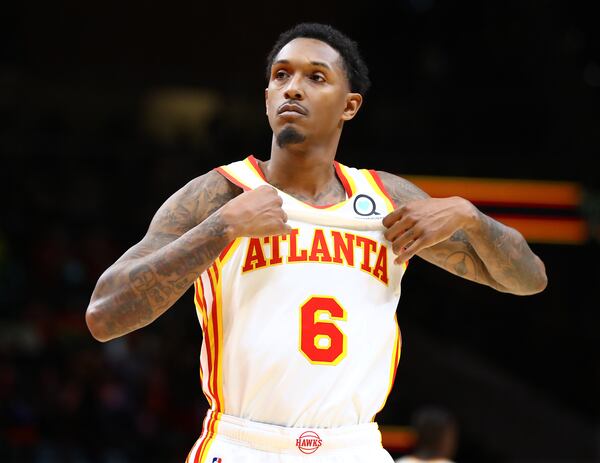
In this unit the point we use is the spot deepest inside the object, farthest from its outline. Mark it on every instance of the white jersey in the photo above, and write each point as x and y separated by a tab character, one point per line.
300	330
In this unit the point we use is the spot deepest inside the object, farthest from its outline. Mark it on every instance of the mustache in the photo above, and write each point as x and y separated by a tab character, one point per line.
293	104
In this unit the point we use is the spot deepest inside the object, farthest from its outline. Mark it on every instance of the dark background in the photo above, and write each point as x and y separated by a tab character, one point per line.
108	108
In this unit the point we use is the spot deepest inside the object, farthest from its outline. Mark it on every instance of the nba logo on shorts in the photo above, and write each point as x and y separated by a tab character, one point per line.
308	442
217	460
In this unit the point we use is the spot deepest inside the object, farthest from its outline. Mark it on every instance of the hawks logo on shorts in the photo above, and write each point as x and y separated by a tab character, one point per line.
308	442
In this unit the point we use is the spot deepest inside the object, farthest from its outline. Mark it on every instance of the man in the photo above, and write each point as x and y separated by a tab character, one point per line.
437	436
297	277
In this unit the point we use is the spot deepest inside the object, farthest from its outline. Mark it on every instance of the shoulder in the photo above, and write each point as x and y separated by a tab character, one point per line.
183	210
207	193
400	189
194	202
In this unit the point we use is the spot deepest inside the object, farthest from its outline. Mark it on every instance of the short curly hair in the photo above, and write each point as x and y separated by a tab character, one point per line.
354	65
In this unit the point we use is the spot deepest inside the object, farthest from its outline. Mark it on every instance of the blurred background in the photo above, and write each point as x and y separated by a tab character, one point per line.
107	108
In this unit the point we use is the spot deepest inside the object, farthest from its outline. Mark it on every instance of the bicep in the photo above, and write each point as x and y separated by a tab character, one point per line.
457	256
401	190
182	211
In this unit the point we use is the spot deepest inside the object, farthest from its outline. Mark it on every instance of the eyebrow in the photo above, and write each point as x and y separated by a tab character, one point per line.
314	63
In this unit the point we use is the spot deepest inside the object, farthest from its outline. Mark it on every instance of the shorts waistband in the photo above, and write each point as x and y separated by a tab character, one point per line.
282	439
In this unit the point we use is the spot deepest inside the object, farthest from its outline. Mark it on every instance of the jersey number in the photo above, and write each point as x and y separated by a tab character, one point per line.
321	341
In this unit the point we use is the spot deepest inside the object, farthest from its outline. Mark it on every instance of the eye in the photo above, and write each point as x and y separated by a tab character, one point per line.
317	77
280	74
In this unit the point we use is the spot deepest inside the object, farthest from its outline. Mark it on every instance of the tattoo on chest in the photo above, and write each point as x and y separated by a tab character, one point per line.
332	194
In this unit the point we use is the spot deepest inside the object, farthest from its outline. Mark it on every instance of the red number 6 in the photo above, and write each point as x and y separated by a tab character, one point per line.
321	341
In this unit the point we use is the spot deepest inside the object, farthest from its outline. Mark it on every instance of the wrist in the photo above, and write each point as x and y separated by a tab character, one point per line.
231	232
230	228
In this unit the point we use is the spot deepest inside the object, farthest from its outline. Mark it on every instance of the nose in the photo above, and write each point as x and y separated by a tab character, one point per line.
293	90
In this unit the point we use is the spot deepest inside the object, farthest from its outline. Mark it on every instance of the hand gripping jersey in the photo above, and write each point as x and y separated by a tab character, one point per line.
300	330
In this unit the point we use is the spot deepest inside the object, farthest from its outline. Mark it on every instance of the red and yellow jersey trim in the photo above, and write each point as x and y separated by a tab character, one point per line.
228	251
208	300
345	178
224	171
202	446
252	162
394	363
375	181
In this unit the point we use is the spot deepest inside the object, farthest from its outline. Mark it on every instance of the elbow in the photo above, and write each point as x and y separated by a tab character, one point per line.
537	284
94	322
542	283
542	278
534	288
527	285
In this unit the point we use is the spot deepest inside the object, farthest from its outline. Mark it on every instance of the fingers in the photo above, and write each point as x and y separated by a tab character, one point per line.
287	229
392	218
406	244
397	228
265	188
403	240
276	223
403	235
407	252
406	238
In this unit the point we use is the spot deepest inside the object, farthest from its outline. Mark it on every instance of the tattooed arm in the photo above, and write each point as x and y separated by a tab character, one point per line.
454	235
184	238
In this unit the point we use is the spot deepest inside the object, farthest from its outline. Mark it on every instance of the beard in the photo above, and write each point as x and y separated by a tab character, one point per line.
289	136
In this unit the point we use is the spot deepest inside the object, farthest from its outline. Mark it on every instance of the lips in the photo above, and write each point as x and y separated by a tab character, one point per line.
292	107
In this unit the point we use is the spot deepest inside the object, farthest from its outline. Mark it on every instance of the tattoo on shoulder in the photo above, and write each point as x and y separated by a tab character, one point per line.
400	189
209	192
194	203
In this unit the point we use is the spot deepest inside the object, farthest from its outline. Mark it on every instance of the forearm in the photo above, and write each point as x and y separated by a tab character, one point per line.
133	293
506	255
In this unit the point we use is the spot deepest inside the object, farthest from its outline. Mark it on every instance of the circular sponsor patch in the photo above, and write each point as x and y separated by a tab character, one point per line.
308	442
364	205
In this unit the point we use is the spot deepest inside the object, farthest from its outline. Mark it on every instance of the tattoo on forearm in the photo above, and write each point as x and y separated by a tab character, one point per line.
156	281
498	255
510	257
464	263
152	275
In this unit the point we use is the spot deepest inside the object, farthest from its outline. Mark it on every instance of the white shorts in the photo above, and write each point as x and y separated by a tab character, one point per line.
228	439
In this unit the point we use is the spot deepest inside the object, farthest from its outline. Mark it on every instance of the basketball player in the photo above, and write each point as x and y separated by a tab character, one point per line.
296	262
437	436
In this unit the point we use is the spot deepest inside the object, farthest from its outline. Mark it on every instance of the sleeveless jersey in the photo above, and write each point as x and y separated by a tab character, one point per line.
300	330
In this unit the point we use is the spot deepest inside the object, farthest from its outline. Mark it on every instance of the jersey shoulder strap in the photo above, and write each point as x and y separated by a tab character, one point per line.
367	182
246	174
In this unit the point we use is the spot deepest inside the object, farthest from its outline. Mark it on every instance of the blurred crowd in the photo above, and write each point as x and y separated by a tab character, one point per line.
64	397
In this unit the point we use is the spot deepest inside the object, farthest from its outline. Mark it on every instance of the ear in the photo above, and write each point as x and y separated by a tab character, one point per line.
266	101
353	103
